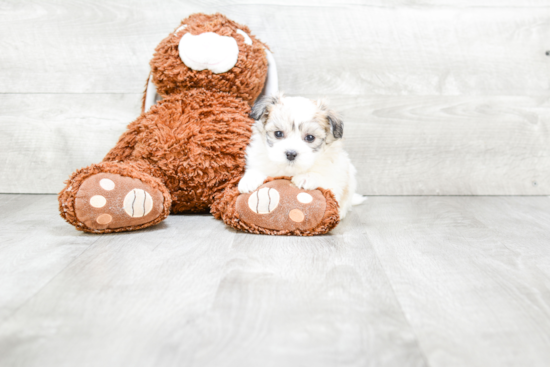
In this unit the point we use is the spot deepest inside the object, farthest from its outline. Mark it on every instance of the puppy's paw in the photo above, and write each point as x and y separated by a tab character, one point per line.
251	181
307	181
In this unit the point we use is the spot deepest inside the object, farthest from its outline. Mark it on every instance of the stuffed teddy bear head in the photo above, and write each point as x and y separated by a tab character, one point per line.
211	52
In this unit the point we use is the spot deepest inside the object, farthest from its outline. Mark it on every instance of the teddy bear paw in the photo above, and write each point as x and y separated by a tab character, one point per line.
280	205
111	201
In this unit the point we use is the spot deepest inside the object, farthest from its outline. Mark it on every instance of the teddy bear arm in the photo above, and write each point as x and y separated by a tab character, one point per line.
138	133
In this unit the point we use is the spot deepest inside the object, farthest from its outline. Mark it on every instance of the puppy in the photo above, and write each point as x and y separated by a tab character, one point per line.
294	136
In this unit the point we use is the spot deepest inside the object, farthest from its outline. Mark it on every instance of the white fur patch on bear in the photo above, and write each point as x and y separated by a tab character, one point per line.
264	201
209	51
304	198
107	184
98	201
138	203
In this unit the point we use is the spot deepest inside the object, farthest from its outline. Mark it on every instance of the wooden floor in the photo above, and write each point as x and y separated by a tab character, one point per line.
403	281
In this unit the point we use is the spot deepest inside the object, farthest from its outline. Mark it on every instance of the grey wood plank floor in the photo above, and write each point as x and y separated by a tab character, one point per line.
403	281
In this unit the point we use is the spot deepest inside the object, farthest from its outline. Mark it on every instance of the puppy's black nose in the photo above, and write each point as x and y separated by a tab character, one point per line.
291	155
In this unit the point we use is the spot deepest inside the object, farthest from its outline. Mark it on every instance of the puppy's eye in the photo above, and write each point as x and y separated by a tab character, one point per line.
309	138
279	134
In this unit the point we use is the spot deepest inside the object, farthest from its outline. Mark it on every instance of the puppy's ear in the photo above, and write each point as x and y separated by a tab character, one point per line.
336	124
334	121
262	106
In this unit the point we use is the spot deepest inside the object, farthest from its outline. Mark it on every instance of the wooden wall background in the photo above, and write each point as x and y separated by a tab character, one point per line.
448	97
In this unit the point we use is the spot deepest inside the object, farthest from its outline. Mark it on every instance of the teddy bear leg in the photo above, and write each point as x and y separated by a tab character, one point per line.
114	197
278	207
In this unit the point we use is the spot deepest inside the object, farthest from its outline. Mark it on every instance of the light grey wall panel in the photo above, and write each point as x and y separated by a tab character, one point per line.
442	145
105	46
45	137
406	145
449	145
438	98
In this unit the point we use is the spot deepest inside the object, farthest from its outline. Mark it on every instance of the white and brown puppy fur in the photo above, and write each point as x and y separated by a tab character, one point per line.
298	137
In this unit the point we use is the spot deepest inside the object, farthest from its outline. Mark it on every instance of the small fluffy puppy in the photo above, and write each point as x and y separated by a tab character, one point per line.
298	137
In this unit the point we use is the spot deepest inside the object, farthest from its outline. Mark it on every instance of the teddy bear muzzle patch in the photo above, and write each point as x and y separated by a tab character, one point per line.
208	51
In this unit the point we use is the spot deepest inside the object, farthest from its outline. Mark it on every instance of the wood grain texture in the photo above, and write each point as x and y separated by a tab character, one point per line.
403	281
522	225
466	286
395	49
439	98
193	292
448	145
444	145
35	245
44	138
319	301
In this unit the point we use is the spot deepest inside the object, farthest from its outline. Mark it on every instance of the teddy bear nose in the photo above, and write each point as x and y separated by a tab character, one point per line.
208	51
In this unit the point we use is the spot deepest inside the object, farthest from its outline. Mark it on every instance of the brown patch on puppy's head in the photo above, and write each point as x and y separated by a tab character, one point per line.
245	79
261	109
330	120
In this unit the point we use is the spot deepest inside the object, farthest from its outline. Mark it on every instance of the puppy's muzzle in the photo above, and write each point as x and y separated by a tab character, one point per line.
291	155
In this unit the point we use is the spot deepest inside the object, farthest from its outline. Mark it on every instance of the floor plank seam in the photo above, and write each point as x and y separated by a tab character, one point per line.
404	314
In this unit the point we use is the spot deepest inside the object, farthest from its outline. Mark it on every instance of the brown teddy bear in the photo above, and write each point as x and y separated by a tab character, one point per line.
186	153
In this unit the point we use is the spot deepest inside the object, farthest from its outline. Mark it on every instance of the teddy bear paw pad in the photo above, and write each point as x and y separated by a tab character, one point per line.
108	201
280	205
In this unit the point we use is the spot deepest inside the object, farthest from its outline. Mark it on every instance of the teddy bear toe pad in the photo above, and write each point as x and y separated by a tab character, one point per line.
280	205
108	201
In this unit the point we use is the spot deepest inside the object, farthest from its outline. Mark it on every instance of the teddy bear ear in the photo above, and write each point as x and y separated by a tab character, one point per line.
150	96
271	86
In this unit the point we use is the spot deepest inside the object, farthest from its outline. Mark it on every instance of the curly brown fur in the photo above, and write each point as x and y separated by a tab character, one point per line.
196	140
245	80
225	209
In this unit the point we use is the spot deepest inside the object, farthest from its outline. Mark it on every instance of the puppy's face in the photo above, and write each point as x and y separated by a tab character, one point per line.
296	129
